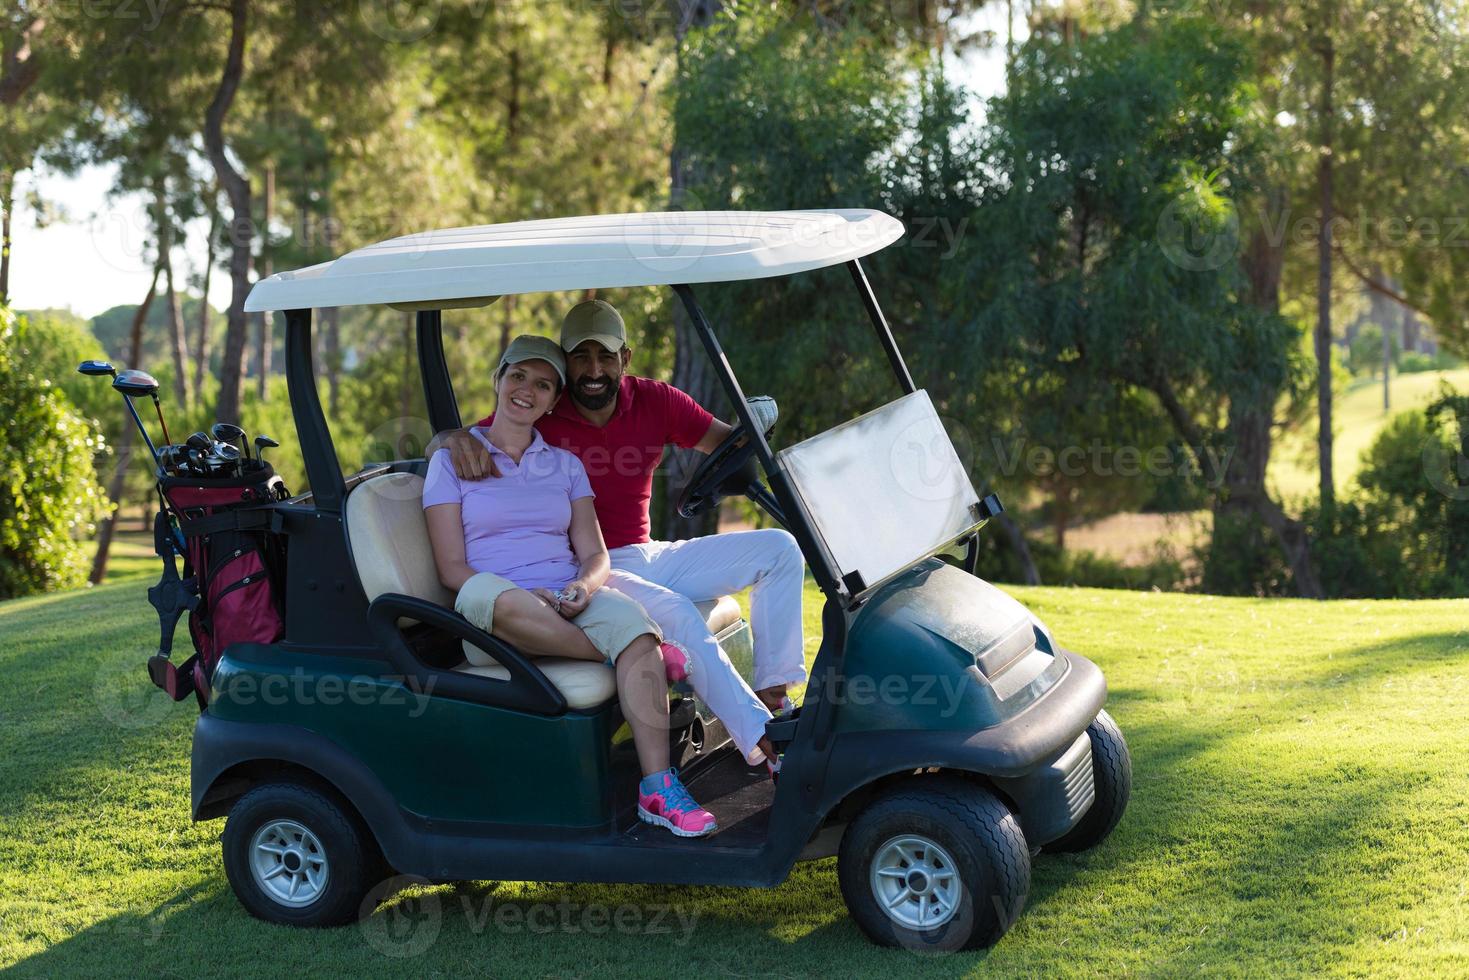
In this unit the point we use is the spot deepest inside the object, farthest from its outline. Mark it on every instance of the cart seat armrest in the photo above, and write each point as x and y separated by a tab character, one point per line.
528	689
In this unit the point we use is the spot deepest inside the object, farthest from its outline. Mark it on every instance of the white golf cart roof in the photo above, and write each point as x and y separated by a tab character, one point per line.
460	267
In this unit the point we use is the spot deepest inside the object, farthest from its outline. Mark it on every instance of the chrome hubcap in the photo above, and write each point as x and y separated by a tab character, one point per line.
915	882
288	863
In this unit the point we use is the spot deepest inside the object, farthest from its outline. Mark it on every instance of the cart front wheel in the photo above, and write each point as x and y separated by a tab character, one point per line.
939	866
1112	776
295	857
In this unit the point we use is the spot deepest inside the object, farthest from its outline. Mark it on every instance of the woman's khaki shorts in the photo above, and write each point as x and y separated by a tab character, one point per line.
611	620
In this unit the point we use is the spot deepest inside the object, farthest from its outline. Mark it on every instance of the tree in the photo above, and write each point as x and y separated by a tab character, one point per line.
1368	101
118	481
1105	164
237	190
34	42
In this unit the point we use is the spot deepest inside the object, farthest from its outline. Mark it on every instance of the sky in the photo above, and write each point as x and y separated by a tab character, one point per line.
97	256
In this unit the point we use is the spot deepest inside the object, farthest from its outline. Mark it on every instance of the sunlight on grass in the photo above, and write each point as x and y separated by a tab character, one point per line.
1301	807
1357	417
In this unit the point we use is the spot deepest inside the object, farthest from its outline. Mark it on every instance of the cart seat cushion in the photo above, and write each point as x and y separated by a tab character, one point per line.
720	614
583	683
389	539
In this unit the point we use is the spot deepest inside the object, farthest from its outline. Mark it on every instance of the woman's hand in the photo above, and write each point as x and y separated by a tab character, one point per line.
578	595
551	599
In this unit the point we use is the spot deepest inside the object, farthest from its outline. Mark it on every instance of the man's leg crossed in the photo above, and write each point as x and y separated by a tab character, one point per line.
721	564
713	678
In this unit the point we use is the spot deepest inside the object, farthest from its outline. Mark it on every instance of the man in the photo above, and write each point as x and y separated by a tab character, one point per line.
618	425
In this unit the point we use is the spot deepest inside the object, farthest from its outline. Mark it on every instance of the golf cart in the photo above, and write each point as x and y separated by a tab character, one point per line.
944	739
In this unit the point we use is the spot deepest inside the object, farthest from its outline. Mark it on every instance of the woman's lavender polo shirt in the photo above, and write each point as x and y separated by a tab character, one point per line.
515	525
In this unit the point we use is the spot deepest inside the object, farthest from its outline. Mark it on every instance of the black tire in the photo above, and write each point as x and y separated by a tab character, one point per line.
1112	776
980	834
350	855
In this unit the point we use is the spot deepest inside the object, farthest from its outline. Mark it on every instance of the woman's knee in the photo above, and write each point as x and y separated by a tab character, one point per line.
639	650
517	607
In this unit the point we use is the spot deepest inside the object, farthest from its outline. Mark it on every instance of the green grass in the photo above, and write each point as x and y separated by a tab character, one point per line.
1357	417
1301	806
131	555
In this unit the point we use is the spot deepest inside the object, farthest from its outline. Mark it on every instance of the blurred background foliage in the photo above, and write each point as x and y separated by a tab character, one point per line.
1114	280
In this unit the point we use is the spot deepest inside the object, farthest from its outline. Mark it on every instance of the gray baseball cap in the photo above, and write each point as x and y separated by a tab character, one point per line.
529	347
596	320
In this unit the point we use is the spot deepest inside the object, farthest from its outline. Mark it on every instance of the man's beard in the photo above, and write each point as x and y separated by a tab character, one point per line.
595	403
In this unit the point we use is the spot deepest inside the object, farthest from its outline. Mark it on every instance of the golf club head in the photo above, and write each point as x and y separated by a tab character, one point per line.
226	431
227	452
200	443
96	369
264	442
135	384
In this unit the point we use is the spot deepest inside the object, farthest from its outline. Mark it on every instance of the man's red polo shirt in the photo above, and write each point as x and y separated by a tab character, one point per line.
620	457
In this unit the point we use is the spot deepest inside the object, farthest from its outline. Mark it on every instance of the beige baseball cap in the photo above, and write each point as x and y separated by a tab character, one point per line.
529	347
593	320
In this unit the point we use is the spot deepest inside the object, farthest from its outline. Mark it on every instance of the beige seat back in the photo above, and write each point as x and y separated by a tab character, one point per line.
389	539
390	547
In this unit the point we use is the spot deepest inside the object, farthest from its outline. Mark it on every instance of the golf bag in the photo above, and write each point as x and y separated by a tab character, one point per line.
233	549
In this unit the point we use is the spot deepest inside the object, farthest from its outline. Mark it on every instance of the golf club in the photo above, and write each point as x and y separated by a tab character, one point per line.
229	432
136	384
262	443
97	369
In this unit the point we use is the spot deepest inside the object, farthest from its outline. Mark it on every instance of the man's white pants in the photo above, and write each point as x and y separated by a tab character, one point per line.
668	577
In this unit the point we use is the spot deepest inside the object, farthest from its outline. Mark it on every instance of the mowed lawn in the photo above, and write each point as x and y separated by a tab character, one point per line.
1301	806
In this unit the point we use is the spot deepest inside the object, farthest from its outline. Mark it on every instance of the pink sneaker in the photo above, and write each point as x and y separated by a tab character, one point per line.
676	662
670	805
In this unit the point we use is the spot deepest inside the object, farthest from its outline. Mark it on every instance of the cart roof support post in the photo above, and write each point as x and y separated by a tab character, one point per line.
799	522
323	471
880	324
438	388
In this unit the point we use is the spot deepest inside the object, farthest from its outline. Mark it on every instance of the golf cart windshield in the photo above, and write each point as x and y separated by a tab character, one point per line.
884	490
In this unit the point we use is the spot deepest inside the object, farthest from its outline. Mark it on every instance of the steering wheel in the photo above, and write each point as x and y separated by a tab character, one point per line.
729	470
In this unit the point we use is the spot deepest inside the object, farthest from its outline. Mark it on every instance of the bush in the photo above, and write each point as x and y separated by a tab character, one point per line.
1414	362
1242	557
49	496
1404	532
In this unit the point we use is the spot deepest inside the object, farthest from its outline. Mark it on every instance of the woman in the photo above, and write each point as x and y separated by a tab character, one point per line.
525	557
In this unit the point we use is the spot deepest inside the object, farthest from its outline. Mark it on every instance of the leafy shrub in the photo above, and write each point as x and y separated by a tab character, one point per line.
1414	362
49	496
1404	532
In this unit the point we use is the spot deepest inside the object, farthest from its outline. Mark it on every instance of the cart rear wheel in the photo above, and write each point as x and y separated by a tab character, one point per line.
1112	776
942	865
296	857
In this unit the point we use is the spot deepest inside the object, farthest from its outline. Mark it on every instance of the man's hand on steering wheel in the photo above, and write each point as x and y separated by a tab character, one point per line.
730	466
